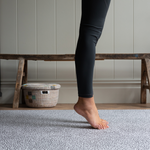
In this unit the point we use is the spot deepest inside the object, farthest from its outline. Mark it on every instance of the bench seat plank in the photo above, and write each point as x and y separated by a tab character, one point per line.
70	57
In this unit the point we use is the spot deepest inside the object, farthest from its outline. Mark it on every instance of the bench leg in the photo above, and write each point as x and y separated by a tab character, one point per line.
18	83
25	78
147	61
143	81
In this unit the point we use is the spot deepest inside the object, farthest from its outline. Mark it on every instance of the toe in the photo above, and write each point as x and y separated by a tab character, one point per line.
105	121
99	127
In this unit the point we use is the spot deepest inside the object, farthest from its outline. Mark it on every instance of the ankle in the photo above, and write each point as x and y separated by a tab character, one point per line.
86	97
86	101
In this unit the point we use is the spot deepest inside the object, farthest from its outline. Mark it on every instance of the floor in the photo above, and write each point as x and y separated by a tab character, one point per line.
70	106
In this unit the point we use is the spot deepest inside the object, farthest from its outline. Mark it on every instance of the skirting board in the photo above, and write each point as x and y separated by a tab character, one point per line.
126	91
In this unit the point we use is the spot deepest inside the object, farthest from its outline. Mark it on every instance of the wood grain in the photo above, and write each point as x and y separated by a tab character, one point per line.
143	81
147	61
71	57
25	78
18	83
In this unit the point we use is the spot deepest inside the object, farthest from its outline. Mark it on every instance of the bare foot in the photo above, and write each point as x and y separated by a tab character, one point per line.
86	107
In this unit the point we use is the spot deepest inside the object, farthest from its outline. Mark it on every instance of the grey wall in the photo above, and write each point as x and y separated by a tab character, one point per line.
52	26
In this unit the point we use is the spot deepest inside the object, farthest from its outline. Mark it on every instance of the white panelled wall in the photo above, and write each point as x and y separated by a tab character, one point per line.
52	27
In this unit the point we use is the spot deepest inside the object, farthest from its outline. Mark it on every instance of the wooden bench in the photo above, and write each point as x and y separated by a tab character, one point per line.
22	74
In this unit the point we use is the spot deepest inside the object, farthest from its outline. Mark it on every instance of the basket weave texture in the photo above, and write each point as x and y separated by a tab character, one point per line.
41	94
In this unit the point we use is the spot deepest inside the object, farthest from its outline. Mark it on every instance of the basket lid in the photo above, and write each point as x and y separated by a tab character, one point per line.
52	86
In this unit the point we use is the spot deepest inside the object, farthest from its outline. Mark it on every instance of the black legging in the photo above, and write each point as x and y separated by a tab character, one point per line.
91	26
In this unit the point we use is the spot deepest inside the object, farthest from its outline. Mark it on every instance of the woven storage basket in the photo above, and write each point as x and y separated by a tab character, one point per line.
41	94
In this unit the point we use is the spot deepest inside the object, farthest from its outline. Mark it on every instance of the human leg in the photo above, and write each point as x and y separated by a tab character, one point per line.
91	26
